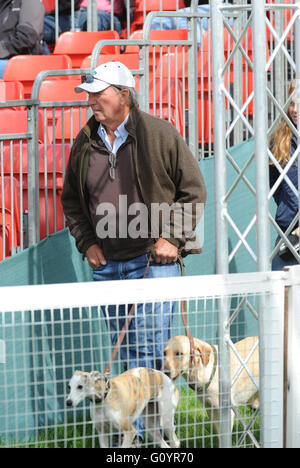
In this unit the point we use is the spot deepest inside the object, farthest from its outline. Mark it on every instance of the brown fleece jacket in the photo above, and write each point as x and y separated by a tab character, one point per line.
165	168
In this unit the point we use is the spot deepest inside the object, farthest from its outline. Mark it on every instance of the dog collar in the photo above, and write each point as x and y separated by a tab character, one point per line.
97	401
214	367
193	386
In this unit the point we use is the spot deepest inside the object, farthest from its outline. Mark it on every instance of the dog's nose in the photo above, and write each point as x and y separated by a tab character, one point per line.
69	403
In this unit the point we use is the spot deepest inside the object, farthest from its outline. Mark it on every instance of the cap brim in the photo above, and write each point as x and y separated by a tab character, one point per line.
94	87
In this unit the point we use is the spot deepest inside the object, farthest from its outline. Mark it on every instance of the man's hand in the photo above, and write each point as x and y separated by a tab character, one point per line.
165	252
95	257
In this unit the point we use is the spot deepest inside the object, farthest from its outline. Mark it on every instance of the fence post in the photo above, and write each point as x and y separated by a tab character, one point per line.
92	16
262	205
292	435
33	174
193	81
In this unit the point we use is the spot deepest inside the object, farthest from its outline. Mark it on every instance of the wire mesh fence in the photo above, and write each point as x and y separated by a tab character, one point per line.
53	358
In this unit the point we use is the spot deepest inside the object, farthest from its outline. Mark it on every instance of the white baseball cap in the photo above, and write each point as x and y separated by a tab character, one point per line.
107	74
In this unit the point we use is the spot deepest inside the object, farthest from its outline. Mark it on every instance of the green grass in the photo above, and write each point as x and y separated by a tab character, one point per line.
194	429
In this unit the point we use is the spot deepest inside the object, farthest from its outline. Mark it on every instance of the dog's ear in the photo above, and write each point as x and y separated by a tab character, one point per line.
204	351
96	375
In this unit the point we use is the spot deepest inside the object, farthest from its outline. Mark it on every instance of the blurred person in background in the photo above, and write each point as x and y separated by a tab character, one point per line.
64	20
21	29
283	144
182	23
104	8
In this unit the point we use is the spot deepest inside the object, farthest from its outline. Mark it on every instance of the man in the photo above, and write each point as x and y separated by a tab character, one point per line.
126	170
21	29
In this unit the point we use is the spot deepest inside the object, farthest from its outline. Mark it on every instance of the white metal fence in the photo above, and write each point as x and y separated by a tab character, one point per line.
48	332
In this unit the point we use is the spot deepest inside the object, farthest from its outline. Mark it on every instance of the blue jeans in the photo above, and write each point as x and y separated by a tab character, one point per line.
64	22
150	327
103	21
182	23
3	63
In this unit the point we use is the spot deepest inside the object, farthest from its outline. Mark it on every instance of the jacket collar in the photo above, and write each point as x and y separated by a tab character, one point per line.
91	127
132	121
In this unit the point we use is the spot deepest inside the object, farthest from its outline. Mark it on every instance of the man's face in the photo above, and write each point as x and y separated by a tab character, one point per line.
106	105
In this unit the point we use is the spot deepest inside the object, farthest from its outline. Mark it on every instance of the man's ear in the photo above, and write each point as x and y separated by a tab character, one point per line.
124	93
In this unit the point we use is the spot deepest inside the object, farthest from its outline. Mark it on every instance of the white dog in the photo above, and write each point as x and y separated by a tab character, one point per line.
119	401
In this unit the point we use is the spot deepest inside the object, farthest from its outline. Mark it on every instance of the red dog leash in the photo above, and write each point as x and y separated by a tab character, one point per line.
184	319
130	315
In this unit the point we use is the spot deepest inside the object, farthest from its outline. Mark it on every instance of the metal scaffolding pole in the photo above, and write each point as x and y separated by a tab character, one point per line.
260	132
262	216
221	222
219	136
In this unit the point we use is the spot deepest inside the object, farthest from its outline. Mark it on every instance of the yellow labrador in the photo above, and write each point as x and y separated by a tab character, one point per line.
119	401
203	375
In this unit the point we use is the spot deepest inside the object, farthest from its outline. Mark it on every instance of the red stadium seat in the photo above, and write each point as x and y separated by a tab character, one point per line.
10	214
164	102
49	5
80	44
175	66
4	241
156	35
11	90
51	187
130	60
58	91
25	68
286	16
143	7
69	124
16	121
247	73
51	172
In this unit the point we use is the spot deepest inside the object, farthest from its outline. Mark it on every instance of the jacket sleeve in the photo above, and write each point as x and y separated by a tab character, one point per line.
288	202
190	199
25	38
273	176
75	210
